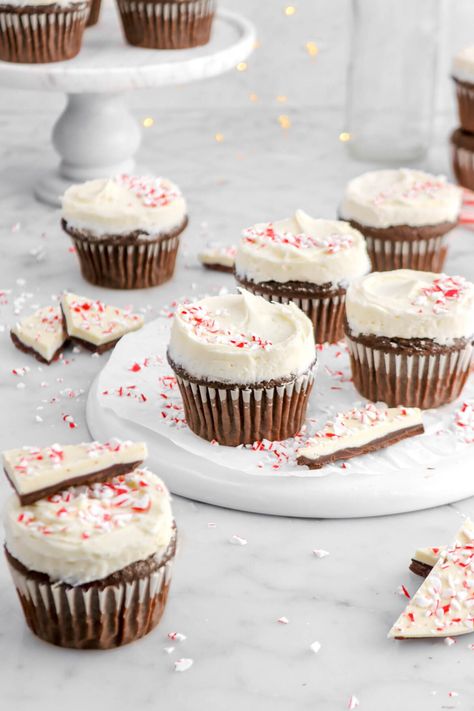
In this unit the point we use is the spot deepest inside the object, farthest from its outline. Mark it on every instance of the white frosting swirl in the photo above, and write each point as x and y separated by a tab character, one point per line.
385	198
302	249
124	204
410	304
463	65
241	339
86	533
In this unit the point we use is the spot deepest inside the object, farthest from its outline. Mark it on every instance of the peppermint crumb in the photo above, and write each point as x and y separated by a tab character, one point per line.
238	540
182	665
315	647
320	553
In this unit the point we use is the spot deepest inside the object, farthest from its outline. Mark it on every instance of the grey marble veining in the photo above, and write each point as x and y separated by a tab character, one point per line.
225	598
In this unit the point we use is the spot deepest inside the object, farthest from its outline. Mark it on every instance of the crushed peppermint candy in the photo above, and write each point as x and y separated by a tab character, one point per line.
151	191
262	236
182	665
464	422
419	189
320	553
238	540
283	620
315	647
176	636
440	295
353	703
208	329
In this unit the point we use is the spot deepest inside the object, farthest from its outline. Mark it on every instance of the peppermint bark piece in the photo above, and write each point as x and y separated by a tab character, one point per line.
42	334
95	325
444	604
218	257
360	431
36	472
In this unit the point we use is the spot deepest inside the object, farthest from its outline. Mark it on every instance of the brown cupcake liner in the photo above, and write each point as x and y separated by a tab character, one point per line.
465	99
326	312
94	13
171	24
426	255
233	415
40	34
127	266
463	166
423	380
93	616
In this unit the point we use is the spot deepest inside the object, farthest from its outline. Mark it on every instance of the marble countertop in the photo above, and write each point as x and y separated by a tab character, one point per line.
227	599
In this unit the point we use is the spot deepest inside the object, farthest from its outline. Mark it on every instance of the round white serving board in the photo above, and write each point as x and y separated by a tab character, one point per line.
419	473
106	63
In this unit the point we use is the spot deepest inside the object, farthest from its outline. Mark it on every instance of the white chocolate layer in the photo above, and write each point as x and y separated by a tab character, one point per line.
302	248
410	304
33	468
125	204
428	556
385	198
359	427
43	331
444	604
89	532
95	322
463	65
241	339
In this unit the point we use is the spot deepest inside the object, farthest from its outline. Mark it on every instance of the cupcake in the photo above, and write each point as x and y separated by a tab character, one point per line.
462	147
404	215
307	262
91	563
94	13
167	24
40	31
410	336
463	76
245	367
125	229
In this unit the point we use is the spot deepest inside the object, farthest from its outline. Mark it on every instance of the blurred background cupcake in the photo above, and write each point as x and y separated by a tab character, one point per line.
404	215
244	367
463	76
167	24
125	229
306	261
410	336
94	13
40	31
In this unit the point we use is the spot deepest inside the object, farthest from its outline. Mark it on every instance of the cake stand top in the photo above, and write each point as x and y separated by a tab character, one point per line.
107	64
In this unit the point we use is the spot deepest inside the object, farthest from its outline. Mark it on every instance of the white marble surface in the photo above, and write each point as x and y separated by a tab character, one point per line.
226	598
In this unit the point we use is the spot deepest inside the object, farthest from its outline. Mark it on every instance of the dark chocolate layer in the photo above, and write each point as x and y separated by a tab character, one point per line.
349	452
293	289
90	478
31	351
420	568
219	268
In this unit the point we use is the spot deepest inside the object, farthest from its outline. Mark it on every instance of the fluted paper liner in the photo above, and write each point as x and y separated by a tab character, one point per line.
463	166
426	255
127	266
167	25
326	313
33	34
90	616
465	98
94	13
415	380
233	415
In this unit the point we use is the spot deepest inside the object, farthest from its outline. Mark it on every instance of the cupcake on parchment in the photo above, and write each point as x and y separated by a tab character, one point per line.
463	76
410	336
125	229
306	261
405	216
167	24
245	367
41	31
91	562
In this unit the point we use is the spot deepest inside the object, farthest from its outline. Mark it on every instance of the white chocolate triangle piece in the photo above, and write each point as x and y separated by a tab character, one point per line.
95	322
35	469
444	604
218	255
43	331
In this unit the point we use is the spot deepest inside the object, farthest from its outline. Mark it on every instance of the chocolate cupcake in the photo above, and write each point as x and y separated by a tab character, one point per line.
463	76
41	31
94	13
462	146
405	216
410	336
167	24
245	367
125	229
307	262
92	562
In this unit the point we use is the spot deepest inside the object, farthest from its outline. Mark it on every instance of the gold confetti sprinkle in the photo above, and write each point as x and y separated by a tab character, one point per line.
312	48
241	66
282	99
148	122
253	96
290	10
219	137
344	137
284	121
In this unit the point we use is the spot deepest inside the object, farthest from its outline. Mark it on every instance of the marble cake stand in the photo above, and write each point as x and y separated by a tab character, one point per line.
96	135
